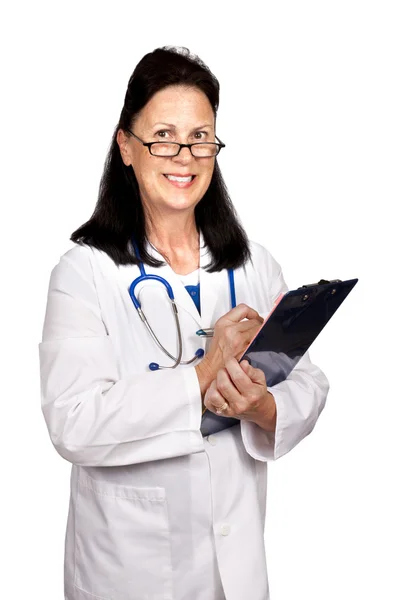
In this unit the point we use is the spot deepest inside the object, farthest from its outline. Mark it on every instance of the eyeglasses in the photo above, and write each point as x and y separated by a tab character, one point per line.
198	149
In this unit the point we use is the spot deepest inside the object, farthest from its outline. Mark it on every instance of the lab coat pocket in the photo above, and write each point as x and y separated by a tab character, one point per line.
122	541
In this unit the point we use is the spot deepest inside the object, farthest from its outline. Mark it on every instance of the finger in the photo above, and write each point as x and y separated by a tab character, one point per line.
214	399
255	375
237	336
243	342
242	336
238	376
212	395
245	365
252	324
227	388
243	311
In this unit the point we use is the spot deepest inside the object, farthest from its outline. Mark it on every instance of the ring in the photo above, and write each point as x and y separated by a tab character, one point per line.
220	409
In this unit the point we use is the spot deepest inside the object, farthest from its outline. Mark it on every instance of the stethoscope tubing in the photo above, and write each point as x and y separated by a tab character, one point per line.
145	277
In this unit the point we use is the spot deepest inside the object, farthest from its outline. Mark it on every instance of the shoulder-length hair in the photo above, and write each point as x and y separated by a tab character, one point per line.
119	216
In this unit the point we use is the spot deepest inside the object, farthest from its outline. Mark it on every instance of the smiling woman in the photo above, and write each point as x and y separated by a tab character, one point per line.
157	172
157	510
172	98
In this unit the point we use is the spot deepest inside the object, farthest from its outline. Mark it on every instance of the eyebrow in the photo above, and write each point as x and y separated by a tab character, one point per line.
173	126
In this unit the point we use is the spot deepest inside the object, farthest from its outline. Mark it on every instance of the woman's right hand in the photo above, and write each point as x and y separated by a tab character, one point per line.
232	334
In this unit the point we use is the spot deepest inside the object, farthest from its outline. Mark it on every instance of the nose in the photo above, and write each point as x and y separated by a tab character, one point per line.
184	156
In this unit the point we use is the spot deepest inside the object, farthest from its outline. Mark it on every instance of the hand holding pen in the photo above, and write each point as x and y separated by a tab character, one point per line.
231	335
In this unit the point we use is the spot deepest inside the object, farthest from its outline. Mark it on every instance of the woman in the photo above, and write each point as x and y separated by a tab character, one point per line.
156	509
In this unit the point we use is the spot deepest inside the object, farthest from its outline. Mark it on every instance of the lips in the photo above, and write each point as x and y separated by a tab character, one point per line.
180	184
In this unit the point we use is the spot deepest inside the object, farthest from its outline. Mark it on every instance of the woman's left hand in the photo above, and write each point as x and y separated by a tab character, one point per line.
244	389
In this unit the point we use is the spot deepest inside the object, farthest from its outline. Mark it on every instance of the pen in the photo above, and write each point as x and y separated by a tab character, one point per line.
205	333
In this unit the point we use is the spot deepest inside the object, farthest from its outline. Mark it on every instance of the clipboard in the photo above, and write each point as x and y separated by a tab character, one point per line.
291	327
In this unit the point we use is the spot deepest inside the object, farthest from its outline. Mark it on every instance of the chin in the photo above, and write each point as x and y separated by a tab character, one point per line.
181	204
180	201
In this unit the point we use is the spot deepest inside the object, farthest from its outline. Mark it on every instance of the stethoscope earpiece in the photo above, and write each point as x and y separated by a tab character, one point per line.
154	367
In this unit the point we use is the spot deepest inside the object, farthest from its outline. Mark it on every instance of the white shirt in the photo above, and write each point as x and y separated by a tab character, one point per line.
191	278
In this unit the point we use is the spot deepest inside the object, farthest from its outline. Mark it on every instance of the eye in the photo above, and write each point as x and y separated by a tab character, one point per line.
201	133
161	131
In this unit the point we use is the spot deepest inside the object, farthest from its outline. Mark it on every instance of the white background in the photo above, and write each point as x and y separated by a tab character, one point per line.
309	116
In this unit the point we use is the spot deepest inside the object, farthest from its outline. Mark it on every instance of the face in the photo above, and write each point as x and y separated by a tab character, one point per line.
174	114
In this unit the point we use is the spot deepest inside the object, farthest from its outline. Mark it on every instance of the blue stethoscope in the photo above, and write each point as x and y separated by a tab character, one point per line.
145	277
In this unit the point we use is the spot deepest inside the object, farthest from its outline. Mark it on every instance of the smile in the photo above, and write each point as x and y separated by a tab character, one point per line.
180	181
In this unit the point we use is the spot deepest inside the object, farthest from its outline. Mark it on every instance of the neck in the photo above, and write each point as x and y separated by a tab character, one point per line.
177	240
174	235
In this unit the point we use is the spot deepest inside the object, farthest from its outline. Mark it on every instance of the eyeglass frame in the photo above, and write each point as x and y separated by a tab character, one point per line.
150	144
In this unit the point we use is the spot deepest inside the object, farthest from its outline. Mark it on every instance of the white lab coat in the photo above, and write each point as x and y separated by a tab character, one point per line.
156	510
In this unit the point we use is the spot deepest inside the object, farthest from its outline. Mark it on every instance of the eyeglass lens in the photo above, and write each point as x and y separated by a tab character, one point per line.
171	149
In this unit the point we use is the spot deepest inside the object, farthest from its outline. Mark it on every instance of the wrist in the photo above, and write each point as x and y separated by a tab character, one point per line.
204	373
207	369
267	418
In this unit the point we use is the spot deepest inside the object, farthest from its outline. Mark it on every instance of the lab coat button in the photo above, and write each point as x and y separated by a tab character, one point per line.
212	440
225	529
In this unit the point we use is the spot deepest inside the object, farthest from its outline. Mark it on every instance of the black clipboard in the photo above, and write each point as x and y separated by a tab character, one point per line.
291	327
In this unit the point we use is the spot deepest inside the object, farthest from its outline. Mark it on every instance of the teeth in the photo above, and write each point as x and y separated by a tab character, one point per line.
183	179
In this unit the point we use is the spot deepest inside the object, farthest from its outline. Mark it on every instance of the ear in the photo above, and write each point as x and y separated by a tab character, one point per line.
125	150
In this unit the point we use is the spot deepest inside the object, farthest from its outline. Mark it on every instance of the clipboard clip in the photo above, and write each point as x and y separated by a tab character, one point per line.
320	282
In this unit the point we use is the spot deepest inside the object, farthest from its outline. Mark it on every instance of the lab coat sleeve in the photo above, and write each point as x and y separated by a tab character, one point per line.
94	417
299	399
